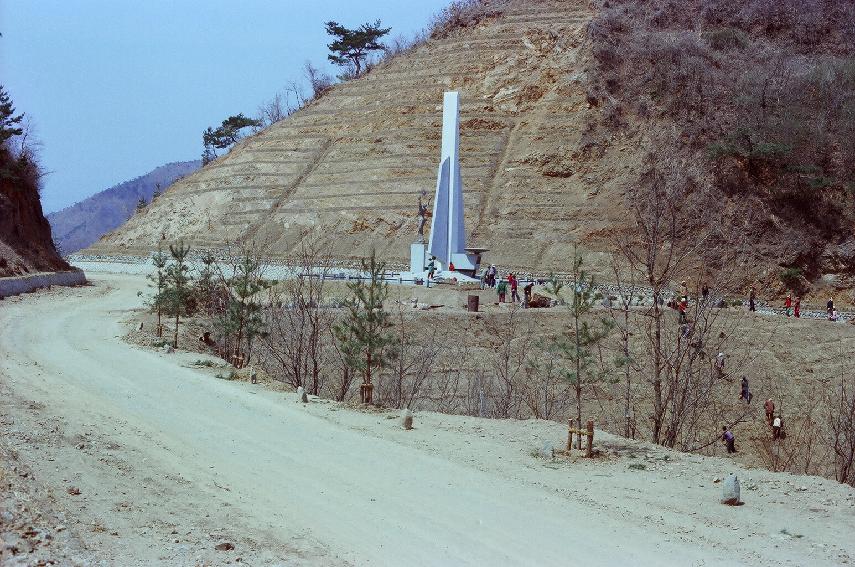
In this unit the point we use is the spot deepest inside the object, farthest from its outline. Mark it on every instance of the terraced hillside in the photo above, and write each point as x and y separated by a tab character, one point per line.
571	110
355	162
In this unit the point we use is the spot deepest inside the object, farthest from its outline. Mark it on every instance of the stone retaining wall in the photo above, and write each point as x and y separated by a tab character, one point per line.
24	284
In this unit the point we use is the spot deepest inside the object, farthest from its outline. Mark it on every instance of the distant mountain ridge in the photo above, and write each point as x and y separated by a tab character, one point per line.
83	223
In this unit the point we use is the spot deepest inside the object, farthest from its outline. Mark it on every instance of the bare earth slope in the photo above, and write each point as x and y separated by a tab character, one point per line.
171	462
355	161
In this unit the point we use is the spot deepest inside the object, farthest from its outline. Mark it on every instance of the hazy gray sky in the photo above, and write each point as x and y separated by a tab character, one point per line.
116	88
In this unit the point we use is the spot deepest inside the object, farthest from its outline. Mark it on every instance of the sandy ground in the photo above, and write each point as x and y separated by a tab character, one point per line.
171	462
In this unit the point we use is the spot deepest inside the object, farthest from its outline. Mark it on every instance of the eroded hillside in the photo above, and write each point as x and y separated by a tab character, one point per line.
25	240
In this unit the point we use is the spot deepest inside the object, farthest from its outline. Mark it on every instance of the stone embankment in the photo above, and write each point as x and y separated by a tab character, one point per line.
25	284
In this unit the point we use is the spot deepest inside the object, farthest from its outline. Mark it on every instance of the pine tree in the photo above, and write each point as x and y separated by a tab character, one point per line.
351	47
577	347
178	290
363	335
9	123
243	317
159	278
141	204
205	285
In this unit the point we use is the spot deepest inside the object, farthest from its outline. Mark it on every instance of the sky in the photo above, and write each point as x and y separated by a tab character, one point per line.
115	88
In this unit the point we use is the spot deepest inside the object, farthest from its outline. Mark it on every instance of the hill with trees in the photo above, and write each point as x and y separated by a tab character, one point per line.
736	114
83	223
25	239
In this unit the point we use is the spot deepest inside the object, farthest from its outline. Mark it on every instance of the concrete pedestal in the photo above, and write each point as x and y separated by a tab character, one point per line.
418	257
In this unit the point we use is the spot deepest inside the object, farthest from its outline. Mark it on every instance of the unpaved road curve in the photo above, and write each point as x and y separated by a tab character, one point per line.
171	461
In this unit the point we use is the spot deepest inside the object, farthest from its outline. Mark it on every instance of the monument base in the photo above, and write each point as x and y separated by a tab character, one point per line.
418	257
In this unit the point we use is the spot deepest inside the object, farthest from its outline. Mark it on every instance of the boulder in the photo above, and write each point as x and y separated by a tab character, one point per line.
539	301
407	419
301	395
547	451
730	490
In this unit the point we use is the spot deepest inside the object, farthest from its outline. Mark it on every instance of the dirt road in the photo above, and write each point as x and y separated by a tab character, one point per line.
171	462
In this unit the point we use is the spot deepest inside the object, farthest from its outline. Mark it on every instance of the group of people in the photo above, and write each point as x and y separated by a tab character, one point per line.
774	420
793	308
513	283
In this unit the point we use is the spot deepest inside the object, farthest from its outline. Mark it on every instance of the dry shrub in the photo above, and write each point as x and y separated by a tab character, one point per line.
462	14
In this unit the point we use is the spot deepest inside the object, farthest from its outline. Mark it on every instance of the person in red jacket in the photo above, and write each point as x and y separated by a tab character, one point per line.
788	303
769	406
797	311
515	296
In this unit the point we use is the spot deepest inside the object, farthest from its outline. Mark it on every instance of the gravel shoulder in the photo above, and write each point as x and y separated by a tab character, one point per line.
171	463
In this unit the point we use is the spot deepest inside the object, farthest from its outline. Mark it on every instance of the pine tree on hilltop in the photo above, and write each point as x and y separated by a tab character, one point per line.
228	133
352	46
9	123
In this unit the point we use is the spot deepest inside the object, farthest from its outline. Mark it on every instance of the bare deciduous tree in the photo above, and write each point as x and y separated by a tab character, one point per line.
842	425
298	322
418	346
512	338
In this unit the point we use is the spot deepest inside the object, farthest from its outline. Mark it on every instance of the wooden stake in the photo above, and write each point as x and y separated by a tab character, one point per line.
569	436
590	450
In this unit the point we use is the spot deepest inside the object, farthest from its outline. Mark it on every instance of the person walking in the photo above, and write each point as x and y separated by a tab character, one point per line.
769	406
719	364
431	270
797	308
501	290
746	393
752	297
829	306
705	292
684	291
776	428
681	306
788	304
728	438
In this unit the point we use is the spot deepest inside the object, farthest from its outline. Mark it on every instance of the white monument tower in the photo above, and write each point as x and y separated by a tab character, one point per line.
447	231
